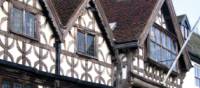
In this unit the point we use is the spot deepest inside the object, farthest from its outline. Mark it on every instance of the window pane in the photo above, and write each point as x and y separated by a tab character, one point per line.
17	85
151	49
16	20
6	84
168	42
154	51
29	29
90	45
157	34
163	37
81	42
152	34
197	82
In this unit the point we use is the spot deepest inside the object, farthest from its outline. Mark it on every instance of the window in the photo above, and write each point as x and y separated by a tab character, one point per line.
197	75
23	22
17	85
11	84
185	31
6	84
86	43
162	48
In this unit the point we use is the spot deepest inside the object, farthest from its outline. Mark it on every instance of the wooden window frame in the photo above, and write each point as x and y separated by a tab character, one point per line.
22	6
171	36
12	81
86	32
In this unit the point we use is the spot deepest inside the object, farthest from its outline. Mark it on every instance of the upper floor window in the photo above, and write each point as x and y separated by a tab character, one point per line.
86	44
185	31
197	75
162	48
23	22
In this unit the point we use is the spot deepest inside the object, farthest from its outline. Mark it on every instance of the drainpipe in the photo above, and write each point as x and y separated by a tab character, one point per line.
57	46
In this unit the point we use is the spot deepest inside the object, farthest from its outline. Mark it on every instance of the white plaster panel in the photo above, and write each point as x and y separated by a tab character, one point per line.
15	52
38	6
46	29
4	17
141	64
189	80
29	2
135	61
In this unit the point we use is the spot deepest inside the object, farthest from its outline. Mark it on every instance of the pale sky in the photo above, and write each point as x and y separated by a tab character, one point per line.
189	7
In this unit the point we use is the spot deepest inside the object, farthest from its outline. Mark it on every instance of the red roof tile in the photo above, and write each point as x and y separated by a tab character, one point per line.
131	17
65	9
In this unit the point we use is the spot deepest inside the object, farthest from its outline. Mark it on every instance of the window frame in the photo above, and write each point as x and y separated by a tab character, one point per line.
86	32
197	67
171	36
13	81
25	8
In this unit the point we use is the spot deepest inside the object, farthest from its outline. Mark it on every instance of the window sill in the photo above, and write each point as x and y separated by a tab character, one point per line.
160	66
25	36
86	56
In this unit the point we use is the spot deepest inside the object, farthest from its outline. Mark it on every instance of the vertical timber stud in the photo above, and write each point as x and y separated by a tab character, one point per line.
129	67
118	72
57	46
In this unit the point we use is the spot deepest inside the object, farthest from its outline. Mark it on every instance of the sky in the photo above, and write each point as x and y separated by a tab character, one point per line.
189	7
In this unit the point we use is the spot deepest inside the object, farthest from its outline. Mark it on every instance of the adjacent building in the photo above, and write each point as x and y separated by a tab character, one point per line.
192	78
90	44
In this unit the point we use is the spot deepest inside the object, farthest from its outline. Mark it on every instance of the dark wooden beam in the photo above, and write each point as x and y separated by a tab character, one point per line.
1	2
133	44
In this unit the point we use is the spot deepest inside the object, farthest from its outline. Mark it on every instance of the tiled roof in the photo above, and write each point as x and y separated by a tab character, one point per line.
131	17
65	9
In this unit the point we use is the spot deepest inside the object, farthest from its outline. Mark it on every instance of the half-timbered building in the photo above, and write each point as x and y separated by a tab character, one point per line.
54	44
89	44
192	78
147	38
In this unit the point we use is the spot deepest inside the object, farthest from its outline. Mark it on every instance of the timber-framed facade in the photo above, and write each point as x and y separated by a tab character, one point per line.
71	44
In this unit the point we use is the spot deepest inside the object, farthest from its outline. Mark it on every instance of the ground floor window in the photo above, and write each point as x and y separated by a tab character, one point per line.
14	84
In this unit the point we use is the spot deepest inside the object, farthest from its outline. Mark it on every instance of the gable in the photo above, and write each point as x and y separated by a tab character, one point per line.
65	9
166	20
87	23
131	16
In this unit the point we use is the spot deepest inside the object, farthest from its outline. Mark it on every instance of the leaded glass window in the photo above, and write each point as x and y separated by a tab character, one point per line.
86	44
162	48
23	22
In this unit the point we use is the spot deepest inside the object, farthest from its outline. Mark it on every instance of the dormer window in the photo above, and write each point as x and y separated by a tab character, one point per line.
86	44
162	47
185	31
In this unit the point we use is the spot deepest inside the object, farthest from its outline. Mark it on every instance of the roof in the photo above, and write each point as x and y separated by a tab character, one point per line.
180	18
65	9
193	46
131	16
183	20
